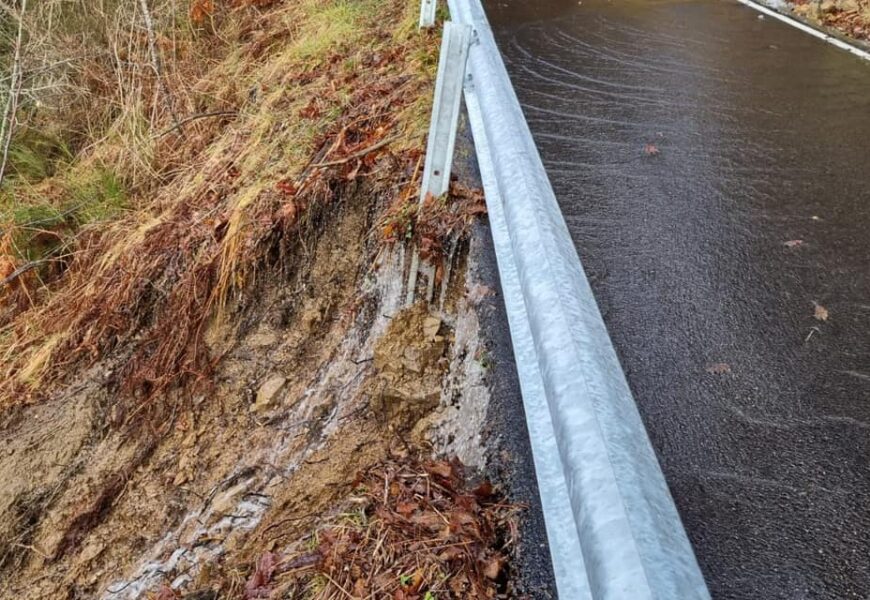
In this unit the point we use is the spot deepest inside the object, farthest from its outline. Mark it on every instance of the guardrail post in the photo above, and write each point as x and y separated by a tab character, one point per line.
427	13
442	128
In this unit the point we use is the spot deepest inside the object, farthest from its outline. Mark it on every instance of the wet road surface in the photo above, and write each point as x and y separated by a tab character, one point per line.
714	171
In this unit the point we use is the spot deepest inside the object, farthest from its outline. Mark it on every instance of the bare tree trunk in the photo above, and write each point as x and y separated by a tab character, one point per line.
7	126
156	64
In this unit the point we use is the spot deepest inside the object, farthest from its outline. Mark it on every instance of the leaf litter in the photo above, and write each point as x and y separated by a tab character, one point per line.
411	529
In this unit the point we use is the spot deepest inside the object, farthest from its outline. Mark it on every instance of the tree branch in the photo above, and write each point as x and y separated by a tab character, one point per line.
8	124
355	155
196	117
21	271
156	64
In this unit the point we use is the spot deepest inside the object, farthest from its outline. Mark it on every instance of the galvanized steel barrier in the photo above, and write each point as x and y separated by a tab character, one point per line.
612	526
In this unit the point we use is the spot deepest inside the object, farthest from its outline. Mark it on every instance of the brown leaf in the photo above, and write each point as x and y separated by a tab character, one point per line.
451	553
406	508
165	593
286	187
793	243
458	584
650	149
820	312
483	491
718	368
428	520
200	10
360	589
258	586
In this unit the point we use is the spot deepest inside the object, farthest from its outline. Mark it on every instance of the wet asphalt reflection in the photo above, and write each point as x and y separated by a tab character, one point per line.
714	171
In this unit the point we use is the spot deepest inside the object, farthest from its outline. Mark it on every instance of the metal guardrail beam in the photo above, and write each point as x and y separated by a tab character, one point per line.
613	529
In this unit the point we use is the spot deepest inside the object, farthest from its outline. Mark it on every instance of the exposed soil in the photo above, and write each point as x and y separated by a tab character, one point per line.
200	379
325	374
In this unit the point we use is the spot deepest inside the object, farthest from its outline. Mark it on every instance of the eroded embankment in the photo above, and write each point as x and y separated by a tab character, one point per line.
328	376
196	391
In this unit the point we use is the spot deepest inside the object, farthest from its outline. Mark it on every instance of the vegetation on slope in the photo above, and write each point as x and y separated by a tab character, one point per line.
148	184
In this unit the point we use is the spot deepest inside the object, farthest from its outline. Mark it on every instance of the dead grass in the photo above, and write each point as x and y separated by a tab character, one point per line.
410	530
314	85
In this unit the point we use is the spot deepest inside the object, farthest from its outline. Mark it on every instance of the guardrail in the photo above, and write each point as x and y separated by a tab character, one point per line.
612	526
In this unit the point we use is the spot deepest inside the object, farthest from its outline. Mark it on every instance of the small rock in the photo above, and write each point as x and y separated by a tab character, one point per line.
267	393
431	325
225	503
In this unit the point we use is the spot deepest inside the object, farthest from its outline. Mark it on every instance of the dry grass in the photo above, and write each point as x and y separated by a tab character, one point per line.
410	530
206	209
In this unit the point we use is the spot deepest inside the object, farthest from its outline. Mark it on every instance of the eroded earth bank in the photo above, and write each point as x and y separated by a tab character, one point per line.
214	382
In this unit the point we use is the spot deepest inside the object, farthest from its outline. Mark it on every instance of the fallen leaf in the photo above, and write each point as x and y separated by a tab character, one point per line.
451	553
258	586
793	243
165	593
428	520
650	150
286	187
7	266
820	312
718	368
484	490
406	508
200	10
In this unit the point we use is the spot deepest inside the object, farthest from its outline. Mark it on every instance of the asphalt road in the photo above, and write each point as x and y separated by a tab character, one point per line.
714	171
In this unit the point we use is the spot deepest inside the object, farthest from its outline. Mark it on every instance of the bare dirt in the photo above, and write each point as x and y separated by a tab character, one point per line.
324	375
200	380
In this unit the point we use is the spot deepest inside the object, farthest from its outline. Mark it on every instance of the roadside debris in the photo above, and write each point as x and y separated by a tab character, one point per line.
718	368
820	313
410	530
